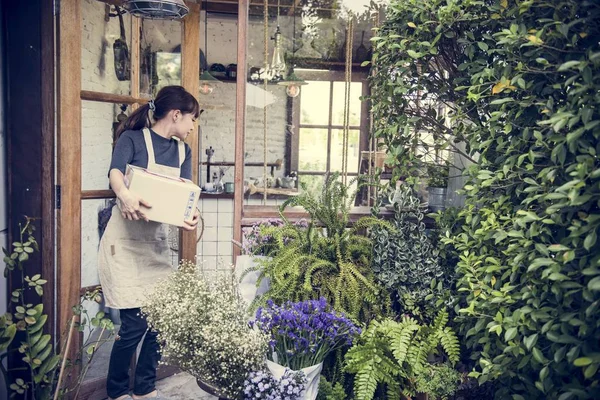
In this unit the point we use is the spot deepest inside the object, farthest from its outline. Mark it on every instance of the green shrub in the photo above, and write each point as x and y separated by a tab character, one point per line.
394	354
521	82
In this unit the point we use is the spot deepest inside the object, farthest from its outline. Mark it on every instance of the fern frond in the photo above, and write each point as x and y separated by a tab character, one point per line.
450	344
401	336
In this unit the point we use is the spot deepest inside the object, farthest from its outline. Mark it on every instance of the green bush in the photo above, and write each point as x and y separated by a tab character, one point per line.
521	81
405	261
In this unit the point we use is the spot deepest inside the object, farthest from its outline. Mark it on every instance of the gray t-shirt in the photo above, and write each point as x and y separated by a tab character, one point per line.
131	149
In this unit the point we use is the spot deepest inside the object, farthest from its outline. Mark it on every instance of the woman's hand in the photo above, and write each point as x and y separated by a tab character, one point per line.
190	226
131	206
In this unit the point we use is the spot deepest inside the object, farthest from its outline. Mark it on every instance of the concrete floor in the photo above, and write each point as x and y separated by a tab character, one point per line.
182	387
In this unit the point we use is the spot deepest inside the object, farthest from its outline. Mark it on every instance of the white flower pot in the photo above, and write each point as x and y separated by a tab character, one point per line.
312	374
248	289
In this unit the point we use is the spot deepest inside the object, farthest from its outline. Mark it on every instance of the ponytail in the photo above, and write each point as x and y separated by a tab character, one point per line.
168	98
138	120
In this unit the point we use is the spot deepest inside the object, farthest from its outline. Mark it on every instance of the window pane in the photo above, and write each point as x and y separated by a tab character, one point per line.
98	121
314	103
101	43
312	152
354	105
314	183
337	140
160	52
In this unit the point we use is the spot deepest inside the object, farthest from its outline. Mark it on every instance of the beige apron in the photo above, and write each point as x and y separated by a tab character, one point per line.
134	255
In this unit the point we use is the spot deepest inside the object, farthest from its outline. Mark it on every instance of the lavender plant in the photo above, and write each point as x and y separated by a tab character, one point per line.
304	333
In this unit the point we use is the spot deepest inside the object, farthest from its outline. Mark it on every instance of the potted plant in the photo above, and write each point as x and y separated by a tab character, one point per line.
257	245
437	186
302	335
325	259
203	330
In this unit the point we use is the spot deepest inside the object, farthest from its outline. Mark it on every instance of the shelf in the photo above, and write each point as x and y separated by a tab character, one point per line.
316	62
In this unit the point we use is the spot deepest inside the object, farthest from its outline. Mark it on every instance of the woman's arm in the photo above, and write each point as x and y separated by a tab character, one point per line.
130	204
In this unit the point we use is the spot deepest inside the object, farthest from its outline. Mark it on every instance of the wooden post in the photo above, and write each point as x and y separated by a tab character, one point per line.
69	165
240	123
190	73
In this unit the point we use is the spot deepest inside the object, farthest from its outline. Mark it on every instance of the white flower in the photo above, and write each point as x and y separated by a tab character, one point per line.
204	328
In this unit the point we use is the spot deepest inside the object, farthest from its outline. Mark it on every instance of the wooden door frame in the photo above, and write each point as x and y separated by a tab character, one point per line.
29	111
69	141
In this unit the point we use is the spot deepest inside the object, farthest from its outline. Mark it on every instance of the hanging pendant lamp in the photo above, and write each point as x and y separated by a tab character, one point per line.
292	83
157	9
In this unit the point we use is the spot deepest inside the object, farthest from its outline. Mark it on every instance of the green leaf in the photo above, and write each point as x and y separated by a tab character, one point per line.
539	357
530	341
590	371
558	247
483	46
510	334
569	65
544	373
590	240
582	362
594	284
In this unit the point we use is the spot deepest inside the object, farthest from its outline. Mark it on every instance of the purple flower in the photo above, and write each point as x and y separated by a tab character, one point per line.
303	333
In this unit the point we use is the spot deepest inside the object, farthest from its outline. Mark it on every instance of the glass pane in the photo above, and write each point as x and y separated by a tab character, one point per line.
98	120
160	55
217	123
354	104
307	38
312	153
314	183
314	103
105	49
337	148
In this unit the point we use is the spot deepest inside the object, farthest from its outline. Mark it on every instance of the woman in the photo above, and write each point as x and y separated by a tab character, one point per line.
134	253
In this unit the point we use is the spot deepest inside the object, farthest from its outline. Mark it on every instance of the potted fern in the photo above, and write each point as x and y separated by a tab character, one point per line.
326	257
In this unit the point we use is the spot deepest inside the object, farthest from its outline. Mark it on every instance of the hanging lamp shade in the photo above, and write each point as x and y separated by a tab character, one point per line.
292	83
207	82
157	9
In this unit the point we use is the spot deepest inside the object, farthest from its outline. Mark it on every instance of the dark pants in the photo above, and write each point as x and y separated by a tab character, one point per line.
133	328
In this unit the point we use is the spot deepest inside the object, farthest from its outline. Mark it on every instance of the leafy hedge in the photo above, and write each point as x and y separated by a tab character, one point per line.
522	82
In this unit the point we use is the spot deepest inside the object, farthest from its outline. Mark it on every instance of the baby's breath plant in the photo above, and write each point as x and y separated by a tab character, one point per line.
203	328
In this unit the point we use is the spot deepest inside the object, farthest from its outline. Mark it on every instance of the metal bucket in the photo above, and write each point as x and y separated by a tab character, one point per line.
437	198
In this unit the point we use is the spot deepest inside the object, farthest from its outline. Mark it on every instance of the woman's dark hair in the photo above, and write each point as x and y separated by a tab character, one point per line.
168	98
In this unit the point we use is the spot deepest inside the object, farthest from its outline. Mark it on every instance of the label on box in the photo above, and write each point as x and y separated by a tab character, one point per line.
190	204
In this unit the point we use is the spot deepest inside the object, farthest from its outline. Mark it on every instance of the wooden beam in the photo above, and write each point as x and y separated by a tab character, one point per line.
135	60
190	71
111	98
97	194
240	123
69	165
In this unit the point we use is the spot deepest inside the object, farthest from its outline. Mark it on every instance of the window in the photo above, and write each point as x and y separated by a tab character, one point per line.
318	125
